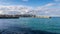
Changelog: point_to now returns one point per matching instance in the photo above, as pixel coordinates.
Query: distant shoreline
(24, 15)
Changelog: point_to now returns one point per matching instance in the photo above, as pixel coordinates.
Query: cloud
(4, 2)
(1, 12)
(49, 9)
(57, 0)
(15, 9)
(25, 0)
(49, 4)
(44, 7)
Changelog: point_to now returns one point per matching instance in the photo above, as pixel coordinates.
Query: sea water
(43, 24)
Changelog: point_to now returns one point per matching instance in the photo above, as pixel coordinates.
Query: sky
(38, 7)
